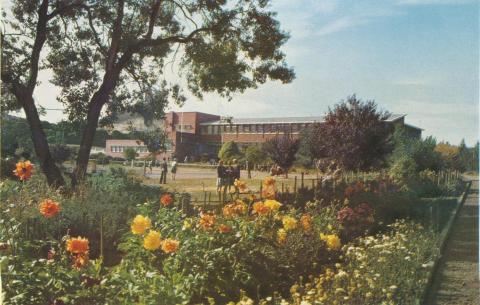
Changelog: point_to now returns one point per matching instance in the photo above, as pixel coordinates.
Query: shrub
(229, 151)
(389, 268)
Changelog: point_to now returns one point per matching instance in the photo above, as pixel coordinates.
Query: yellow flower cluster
(272, 204)
(332, 240)
(153, 240)
(367, 277)
(289, 223)
(140, 224)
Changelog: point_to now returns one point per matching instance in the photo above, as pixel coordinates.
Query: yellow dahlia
(152, 241)
(140, 224)
(273, 204)
(289, 223)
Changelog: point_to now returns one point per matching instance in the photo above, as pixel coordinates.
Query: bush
(112, 196)
(229, 151)
(60, 153)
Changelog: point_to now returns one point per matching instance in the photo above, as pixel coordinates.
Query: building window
(210, 129)
(246, 128)
(253, 128)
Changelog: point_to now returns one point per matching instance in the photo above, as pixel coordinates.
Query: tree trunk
(96, 103)
(88, 135)
(39, 139)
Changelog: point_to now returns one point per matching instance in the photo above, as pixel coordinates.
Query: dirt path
(457, 281)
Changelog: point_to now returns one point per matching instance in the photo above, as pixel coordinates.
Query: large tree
(109, 56)
(355, 135)
(22, 40)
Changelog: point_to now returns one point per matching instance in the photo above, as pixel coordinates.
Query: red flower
(166, 199)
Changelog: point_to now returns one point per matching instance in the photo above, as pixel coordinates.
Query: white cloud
(339, 25)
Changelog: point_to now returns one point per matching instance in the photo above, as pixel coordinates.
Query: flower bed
(252, 251)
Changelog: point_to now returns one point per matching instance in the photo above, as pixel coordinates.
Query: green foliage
(60, 153)
(229, 151)
(15, 135)
(404, 170)
(255, 155)
(422, 152)
(156, 140)
(109, 196)
(130, 153)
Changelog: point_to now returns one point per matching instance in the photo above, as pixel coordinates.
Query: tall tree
(282, 149)
(108, 47)
(22, 40)
(109, 56)
(355, 135)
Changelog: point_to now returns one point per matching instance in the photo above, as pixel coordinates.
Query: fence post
(302, 180)
(282, 188)
(101, 237)
(261, 186)
(295, 185)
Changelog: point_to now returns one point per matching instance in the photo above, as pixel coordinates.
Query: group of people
(164, 169)
(226, 175)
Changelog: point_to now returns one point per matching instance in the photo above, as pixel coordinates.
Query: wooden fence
(287, 192)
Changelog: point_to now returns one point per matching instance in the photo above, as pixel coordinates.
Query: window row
(120, 149)
(253, 128)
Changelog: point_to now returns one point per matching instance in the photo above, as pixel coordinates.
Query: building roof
(284, 120)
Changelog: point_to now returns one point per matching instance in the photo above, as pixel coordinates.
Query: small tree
(355, 135)
(130, 154)
(229, 151)
(282, 150)
(254, 155)
(309, 150)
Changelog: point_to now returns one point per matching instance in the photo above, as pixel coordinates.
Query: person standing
(150, 165)
(174, 168)
(220, 177)
(163, 171)
(230, 176)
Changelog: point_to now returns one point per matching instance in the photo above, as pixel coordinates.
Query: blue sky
(418, 57)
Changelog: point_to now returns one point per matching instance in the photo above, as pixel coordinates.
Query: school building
(195, 134)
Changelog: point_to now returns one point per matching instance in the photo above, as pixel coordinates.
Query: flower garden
(115, 241)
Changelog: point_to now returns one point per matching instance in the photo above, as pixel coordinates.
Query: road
(457, 280)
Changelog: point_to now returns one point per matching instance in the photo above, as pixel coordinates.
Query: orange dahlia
(306, 221)
(224, 228)
(23, 170)
(49, 208)
(207, 221)
(241, 185)
(269, 181)
(170, 245)
(166, 199)
(77, 245)
(260, 208)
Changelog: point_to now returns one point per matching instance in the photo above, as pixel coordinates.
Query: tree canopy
(354, 134)
(282, 149)
(110, 56)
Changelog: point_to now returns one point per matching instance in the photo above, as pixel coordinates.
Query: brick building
(196, 134)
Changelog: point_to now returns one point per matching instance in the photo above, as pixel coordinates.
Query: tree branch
(153, 17)
(40, 37)
(116, 37)
(62, 9)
